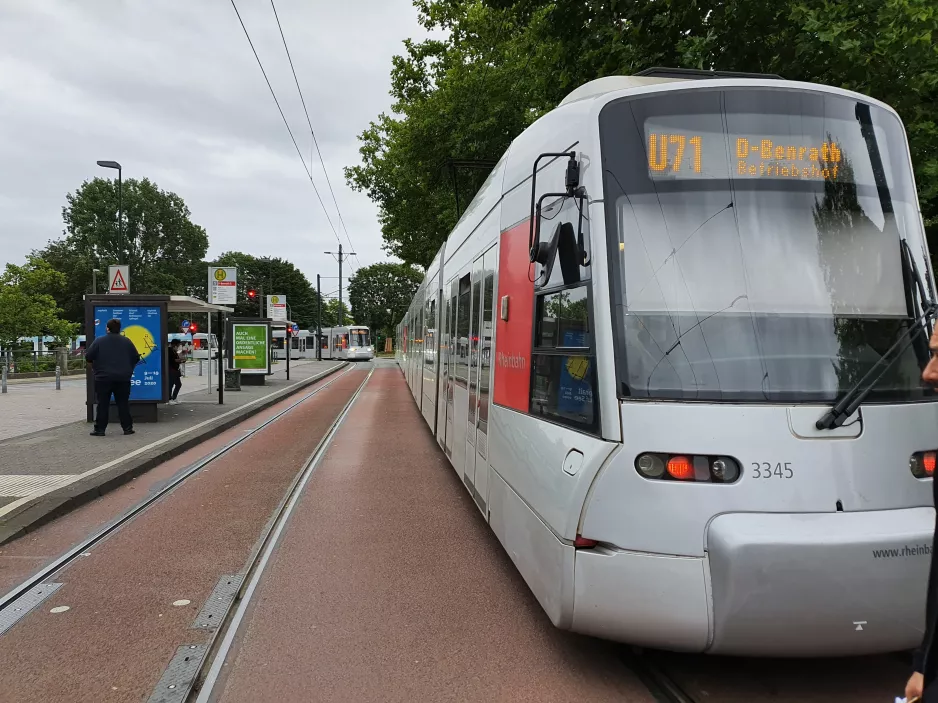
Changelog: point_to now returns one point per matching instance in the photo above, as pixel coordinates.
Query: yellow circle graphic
(274, 299)
(142, 340)
(220, 275)
(577, 366)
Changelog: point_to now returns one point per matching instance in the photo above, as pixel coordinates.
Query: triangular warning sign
(118, 284)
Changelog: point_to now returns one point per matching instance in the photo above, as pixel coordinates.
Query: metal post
(221, 362)
(260, 302)
(94, 281)
(288, 346)
(58, 377)
(319, 321)
(120, 216)
(3, 383)
(208, 350)
(200, 367)
(341, 316)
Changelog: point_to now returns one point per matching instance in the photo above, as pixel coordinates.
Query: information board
(250, 348)
(222, 285)
(277, 307)
(141, 325)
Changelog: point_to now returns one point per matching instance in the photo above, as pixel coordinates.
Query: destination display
(676, 154)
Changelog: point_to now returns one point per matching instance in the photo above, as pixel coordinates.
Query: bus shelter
(145, 321)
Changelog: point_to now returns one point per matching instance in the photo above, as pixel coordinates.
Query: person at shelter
(176, 360)
(113, 358)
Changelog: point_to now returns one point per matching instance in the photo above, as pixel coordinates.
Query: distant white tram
(352, 342)
(640, 327)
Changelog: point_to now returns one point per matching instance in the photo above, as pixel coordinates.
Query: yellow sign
(220, 274)
(274, 299)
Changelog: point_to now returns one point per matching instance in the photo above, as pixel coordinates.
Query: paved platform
(33, 404)
(45, 472)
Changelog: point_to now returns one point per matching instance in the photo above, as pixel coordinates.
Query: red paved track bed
(122, 629)
(389, 586)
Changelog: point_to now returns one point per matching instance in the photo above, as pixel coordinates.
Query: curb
(49, 506)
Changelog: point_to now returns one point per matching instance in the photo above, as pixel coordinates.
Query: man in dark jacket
(926, 657)
(113, 358)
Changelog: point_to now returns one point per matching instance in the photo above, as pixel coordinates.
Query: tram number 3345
(766, 469)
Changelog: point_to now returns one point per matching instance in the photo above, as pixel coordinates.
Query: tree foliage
(330, 313)
(505, 62)
(163, 247)
(27, 303)
(275, 276)
(381, 293)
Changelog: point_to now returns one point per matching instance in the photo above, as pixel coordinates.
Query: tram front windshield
(358, 338)
(758, 241)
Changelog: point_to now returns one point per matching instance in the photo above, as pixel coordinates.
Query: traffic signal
(252, 294)
(193, 328)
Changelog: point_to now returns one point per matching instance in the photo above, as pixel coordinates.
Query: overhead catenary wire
(312, 131)
(285, 122)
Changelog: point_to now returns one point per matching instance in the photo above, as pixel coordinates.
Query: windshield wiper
(851, 400)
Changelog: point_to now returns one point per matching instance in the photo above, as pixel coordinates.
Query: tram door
(443, 345)
(461, 374)
(483, 295)
(453, 356)
(469, 469)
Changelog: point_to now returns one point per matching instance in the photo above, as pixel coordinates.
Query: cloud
(172, 91)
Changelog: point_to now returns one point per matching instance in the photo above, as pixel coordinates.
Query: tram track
(204, 684)
(69, 557)
(662, 687)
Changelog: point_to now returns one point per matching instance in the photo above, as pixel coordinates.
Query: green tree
(330, 314)
(27, 303)
(381, 293)
(277, 277)
(506, 62)
(163, 247)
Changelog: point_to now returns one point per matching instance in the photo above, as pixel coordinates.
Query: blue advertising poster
(575, 397)
(141, 324)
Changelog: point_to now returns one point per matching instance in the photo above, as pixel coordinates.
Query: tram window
(563, 319)
(563, 364)
(562, 389)
(462, 332)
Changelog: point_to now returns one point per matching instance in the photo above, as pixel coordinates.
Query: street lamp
(94, 280)
(120, 201)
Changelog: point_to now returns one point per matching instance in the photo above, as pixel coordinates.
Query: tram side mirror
(562, 242)
(576, 257)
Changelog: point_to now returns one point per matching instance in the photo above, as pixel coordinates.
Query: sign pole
(221, 363)
(319, 321)
(288, 345)
(208, 350)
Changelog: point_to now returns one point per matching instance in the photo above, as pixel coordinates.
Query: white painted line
(10, 507)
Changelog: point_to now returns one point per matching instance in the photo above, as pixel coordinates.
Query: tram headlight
(922, 464)
(687, 468)
(650, 465)
(724, 469)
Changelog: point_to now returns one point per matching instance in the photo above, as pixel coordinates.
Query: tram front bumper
(785, 585)
(819, 584)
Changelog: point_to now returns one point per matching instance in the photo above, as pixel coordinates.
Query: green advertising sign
(250, 348)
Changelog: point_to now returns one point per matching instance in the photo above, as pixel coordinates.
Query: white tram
(715, 260)
(352, 342)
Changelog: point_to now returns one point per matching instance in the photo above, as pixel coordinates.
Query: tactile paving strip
(213, 612)
(16, 610)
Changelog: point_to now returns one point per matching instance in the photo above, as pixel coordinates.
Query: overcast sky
(171, 90)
